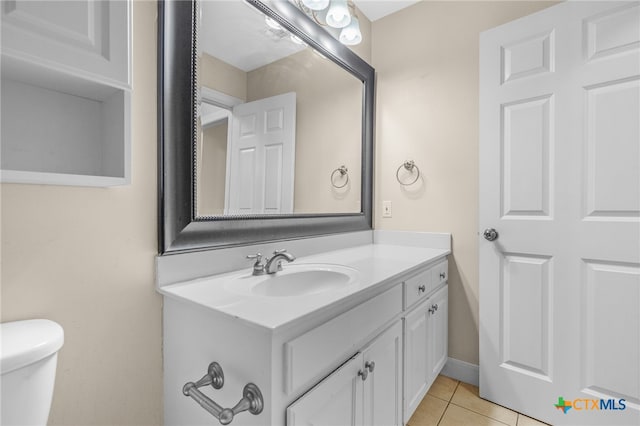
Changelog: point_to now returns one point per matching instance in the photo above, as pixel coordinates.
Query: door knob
(490, 234)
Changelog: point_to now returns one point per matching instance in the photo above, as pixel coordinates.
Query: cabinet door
(416, 364)
(383, 386)
(82, 37)
(439, 330)
(336, 400)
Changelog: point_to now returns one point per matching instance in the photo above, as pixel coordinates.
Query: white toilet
(28, 357)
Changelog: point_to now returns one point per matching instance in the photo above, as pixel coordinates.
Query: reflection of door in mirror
(257, 139)
(261, 155)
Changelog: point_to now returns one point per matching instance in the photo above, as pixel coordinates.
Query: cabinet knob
(422, 289)
(432, 311)
(434, 307)
(370, 365)
(363, 374)
(442, 275)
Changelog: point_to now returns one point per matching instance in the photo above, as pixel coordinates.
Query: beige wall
(212, 166)
(221, 76)
(364, 48)
(84, 257)
(426, 58)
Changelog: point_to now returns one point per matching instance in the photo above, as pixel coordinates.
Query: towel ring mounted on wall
(343, 172)
(410, 166)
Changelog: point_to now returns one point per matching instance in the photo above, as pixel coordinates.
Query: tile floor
(453, 403)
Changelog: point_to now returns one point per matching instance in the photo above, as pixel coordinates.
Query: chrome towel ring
(410, 166)
(343, 172)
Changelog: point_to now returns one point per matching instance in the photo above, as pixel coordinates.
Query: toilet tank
(28, 357)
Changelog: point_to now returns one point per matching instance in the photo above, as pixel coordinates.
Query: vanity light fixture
(351, 35)
(339, 14)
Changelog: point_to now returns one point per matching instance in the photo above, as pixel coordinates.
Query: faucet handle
(258, 267)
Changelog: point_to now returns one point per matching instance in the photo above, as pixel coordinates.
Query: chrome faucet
(268, 267)
(277, 258)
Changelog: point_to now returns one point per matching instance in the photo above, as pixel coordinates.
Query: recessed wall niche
(66, 82)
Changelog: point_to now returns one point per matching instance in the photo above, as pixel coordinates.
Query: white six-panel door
(560, 183)
(261, 157)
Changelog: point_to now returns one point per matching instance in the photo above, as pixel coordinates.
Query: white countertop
(377, 265)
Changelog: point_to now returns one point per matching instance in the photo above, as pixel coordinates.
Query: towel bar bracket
(251, 401)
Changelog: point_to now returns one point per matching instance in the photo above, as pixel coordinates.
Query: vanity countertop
(378, 266)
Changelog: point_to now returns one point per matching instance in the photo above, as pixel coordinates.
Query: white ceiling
(376, 9)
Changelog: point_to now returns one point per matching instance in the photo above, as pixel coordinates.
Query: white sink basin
(294, 280)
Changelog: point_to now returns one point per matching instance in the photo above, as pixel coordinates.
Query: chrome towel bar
(251, 401)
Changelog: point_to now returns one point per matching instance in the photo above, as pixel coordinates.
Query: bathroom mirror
(265, 126)
(274, 120)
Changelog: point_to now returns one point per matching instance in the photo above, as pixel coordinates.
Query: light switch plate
(386, 209)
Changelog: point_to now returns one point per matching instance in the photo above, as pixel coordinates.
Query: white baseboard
(463, 371)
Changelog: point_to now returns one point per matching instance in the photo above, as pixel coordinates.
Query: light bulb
(338, 15)
(316, 4)
(351, 34)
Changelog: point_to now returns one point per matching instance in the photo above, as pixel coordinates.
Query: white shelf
(63, 135)
(39, 178)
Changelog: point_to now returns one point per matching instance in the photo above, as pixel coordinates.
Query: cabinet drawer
(308, 357)
(417, 287)
(440, 273)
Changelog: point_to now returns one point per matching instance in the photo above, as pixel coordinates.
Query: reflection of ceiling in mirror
(235, 32)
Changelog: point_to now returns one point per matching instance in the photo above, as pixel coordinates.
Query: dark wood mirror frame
(179, 230)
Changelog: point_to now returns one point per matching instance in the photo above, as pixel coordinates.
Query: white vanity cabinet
(366, 359)
(425, 353)
(66, 92)
(366, 390)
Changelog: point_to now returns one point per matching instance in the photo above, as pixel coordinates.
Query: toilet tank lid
(25, 342)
